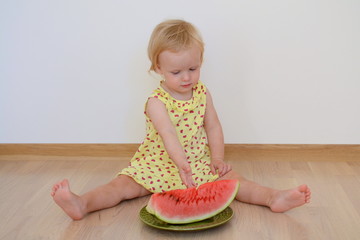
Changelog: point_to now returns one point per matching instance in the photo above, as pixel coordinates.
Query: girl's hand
(219, 165)
(186, 176)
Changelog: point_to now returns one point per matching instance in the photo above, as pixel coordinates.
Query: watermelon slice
(193, 204)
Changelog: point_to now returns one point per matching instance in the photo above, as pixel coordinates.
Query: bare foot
(285, 200)
(68, 201)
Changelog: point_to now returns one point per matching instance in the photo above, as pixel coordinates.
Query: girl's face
(181, 71)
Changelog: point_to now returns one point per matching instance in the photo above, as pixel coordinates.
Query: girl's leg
(276, 200)
(105, 196)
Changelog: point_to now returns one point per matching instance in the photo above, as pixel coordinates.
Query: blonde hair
(173, 35)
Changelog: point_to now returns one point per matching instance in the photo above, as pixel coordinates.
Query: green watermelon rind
(195, 219)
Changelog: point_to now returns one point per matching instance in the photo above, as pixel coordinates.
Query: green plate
(215, 221)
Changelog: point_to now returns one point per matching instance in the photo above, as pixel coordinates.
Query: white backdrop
(280, 71)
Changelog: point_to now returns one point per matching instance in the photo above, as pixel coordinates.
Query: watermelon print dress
(151, 165)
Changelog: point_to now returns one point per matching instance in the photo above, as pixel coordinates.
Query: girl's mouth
(187, 85)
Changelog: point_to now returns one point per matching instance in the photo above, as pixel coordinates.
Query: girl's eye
(192, 69)
(175, 73)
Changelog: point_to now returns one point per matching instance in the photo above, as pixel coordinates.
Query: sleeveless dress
(151, 165)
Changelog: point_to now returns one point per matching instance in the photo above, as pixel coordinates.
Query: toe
(64, 183)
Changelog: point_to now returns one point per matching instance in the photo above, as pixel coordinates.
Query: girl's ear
(158, 70)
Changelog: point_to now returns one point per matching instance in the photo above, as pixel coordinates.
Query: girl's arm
(159, 117)
(215, 138)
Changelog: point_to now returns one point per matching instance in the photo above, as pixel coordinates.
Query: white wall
(280, 71)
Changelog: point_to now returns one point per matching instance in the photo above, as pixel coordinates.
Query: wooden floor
(28, 212)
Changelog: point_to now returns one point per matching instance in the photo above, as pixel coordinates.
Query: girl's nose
(186, 76)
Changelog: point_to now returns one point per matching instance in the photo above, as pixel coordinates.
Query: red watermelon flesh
(193, 204)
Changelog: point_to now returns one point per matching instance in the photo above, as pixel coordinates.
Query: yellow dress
(151, 165)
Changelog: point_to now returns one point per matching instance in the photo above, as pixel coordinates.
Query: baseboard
(288, 152)
(101, 150)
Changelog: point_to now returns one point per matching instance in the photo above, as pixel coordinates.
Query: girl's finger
(229, 168)
(212, 168)
(221, 170)
(191, 184)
